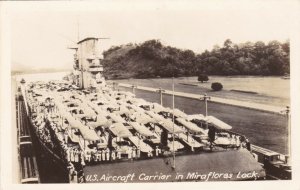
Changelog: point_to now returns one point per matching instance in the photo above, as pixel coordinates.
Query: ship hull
(53, 169)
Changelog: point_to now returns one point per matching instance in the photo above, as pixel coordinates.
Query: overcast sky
(41, 32)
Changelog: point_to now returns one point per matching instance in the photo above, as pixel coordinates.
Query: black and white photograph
(149, 93)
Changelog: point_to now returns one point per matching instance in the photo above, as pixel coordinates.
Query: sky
(41, 32)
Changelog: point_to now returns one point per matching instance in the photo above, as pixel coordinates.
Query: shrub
(216, 86)
(203, 77)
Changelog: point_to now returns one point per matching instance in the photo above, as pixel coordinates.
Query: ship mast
(205, 98)
(173, 105)
(78, 38)
(287, 112)
(78, 29)
(160, 90)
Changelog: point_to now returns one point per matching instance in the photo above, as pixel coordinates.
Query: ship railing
(30, 180)
(269, 153)
(262, 151)
(189, 140)
(24, 136)
(26, 142)
(29, 169)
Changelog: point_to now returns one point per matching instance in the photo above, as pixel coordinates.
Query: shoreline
(178, 77)
(232, 102)
(265, 91)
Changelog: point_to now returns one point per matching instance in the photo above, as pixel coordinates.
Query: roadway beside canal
(243, 104)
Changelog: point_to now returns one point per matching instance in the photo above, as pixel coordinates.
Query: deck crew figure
(119, 155)
(99, 155)
(238, 142)
(157, 151)
(103, 155)
(71, 170)
(129, 153)
(99, 152)
(82, 158)
(68, 155)
(113, 155)
(192, 144)
(248, 145)
(72, 154)
(88, 155)
(107, 154)
(66, 136)
(74, 176)
(138, 152)
(76, 156)
(233, 140)
(134, 152)
(94, 153)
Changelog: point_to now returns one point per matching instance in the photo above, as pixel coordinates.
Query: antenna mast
(173, 105)
(77, 28)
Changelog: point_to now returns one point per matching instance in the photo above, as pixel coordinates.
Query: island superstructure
(88, 70)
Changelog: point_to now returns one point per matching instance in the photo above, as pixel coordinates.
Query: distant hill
(152, 59)
(19, 68)
(30, 71)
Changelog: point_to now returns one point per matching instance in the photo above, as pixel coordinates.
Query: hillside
(152, 59)
(33, 71)
(18, 68)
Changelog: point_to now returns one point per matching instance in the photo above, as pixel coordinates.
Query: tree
(228, 44)
(202, 78)
(152, 58)
(216, 86)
